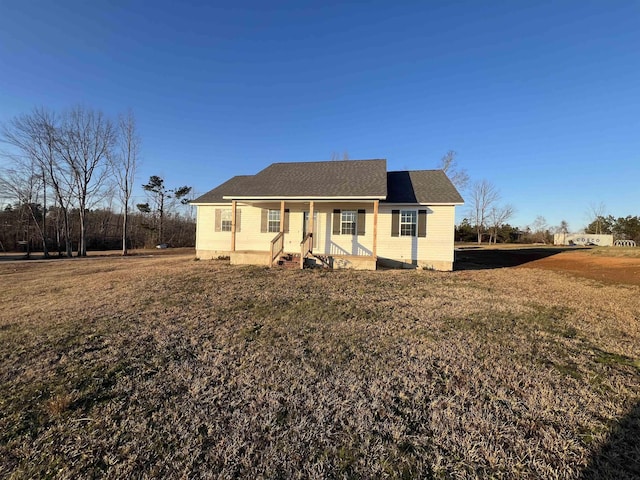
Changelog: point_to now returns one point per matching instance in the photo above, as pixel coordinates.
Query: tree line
(537, 232)
(65, 172)
(19, 232)
(622, 228)
(487, 218)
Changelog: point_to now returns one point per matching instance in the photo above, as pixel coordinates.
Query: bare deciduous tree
(563, 229)
(72, 156)
(595, 214)
(84, 143)
(539, 229)
(496, 218)
(458, 176)
(25, 183)
(124, 163)
(484, 196)
(335, 156)
(35, 138)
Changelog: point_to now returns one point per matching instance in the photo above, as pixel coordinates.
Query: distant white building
(582, 239)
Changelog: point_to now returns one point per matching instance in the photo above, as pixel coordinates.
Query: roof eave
(427, 203)
(305, 197)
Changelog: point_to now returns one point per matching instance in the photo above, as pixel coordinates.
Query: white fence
(582, 239)
(624, 243)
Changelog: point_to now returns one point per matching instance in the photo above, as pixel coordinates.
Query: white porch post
(311, 220)
(233, 225)
(375, 228)
(282, 216)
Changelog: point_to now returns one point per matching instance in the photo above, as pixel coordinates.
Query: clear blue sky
(542, 98)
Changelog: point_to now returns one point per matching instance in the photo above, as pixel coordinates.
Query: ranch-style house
(337, 214)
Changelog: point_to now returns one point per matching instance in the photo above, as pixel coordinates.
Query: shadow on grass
(488, 258)
(619, 458)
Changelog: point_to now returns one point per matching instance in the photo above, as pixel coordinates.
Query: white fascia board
(303, 199)
(424, 204)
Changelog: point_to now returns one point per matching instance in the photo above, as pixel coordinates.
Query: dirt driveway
(607, 269)
(578, 262)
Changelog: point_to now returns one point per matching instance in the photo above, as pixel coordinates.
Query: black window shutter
(336, 221)
(395, 223)
(422, 223)
(361, 222)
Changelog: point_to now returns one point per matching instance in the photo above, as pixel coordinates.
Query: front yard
(170, 367)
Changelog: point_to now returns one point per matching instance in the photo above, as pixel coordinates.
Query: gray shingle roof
(227, 188)
(421, 186)
(349, 178)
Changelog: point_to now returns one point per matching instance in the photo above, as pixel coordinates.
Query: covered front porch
(354, 262)
(327, 233)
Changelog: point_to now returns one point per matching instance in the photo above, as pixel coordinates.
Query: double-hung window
(225, 220)
(348, 222)
(408, 223)
(273, 221)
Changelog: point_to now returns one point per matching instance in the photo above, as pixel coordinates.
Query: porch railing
(306, 247)
(277, 247)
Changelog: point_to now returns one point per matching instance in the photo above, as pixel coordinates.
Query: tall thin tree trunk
(82, 247)
(58, 240)
(28, 237)
(67, 233)
(161, 232)
(125, 226)
(45, 249)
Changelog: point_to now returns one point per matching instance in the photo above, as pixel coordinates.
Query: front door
(305, 227)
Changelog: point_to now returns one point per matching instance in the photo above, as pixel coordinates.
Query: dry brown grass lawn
(169, 367)
(630, 252)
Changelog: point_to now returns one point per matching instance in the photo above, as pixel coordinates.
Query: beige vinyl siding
(341, 244)
(437, 246)
(436, 249)
(206, 236)
(218, 243)
(251, 239)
